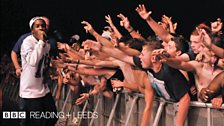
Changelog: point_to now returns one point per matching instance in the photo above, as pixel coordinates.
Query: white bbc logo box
(14, 115)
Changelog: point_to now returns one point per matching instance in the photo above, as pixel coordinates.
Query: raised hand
(88, 27)
(109, 20)
(124, 21)
(82, 99)
(168, 21)
(143, 12)
(206, 39)
(217, 25)
(112, 28)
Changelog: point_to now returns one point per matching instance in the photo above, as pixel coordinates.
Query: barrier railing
(199, 113)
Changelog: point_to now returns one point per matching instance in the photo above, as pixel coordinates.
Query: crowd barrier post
(113, 110)
(159, 112)
(131, 110)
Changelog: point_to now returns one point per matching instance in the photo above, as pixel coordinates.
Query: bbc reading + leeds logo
(14, 115)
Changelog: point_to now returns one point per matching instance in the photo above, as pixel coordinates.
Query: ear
(178, 53)
(153, 59)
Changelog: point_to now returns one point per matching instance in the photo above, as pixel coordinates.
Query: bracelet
(132, 29)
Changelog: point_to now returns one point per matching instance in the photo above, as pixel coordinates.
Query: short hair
(181, 43)
(136, 44)
(152, 43)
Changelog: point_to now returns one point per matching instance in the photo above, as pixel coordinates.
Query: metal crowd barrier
(125, 109)
(110, 119)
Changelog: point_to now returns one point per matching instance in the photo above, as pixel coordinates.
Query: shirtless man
(205, 71)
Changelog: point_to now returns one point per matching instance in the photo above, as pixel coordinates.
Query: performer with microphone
(34, 92)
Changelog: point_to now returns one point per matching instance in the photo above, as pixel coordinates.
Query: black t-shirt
(168, 83)
(119, 75)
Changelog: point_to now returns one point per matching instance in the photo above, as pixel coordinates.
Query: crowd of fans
(166, 64)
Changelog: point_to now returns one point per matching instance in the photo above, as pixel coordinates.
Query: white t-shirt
(34, 57)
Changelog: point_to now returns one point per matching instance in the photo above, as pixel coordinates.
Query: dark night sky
(66, 15)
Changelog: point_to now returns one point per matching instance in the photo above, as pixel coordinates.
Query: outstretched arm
(124, 84)
(110, 51)
(115, 30)
(90, 71)
(161, 55)
(159, 30)
(101, 63)
(88, 27)
(126, 24)
(178, 64)
(128, 51)
(118, 54)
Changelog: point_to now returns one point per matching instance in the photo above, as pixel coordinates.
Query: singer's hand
(41, 35)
